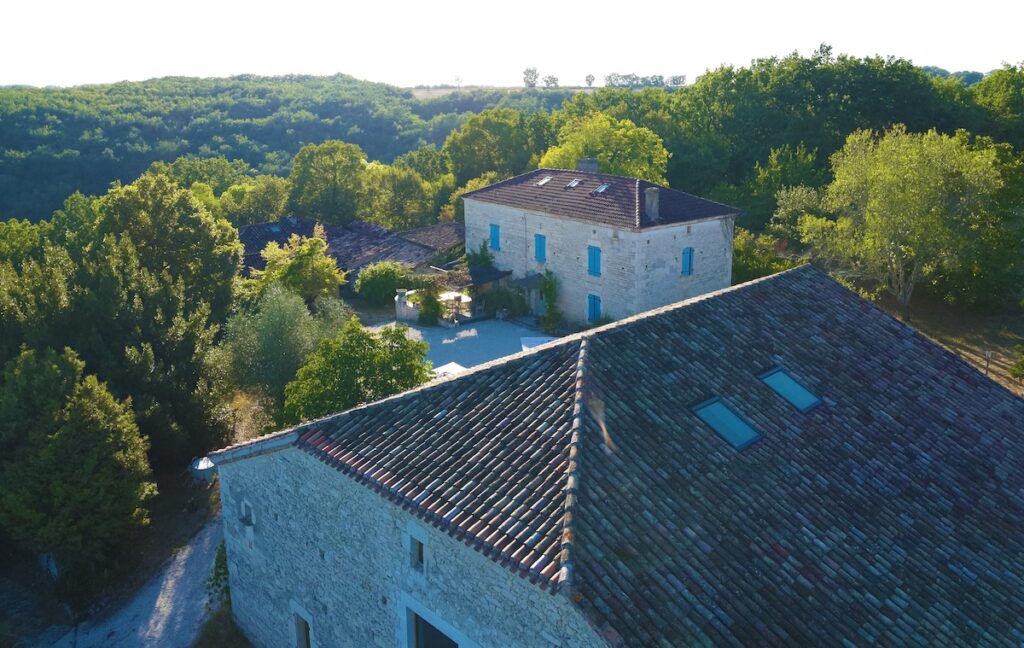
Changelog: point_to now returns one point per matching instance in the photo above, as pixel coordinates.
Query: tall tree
(325, 181)
(358, 366)
(262, 200)
(494, 140)
(74, 479)
(620, 147)
(530, 77)
(905, 207)
(395, 197)
(301, 265)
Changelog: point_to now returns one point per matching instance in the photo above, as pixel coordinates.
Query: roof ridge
(565, 555)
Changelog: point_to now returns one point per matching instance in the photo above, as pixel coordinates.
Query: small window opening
(786, 386)
(727, 423)
(247, 518)
(301, 632)
(417, 554)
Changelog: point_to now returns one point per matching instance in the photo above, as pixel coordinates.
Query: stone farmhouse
(776, 463)
(617, 246)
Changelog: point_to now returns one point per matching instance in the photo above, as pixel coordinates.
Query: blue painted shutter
(594, 260)
(540, 248)
(495, 237)
(687, 261)
(593, 308)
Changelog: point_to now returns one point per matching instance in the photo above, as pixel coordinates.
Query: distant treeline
(720, 132)
(56, 141)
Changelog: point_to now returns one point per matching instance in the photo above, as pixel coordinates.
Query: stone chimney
(587, 165)
(651, 203)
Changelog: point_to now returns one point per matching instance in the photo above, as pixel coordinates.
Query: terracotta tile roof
(439, 237)
(620, 204)
(356, 244)
(892, 513)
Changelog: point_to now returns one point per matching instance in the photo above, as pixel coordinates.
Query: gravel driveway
(169, 610)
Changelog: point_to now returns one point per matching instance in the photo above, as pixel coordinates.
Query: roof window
(601, 188)
(786, 386)
(573, 183)
(720, 418)
(543, 181)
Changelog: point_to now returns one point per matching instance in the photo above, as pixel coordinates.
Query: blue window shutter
(540, 248)
(594, 260)
(495, 237)
(687, 261)
(593, 308)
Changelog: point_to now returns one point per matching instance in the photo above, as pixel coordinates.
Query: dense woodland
(130, 340)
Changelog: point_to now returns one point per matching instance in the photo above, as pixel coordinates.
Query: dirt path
(168, 611)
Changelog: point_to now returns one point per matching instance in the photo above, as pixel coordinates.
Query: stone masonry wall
(338, 554)
(639, 270)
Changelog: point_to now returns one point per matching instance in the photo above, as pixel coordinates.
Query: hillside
(55, 141)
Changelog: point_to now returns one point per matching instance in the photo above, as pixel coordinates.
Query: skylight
(786, 386)
(573, 183)
(543, 181)
(720, 418)
(601, 188)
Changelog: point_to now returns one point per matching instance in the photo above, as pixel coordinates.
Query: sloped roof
(620, 204)
(356, 244)
(891, 513)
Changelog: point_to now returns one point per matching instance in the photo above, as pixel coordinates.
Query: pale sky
(69, 42)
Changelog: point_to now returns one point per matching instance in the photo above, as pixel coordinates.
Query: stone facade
(640, 269)
(323, 548)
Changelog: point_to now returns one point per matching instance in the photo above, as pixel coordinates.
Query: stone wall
(332, 551)
(639, 270)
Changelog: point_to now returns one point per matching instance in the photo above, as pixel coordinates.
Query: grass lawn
(220, 631)
(970, 335)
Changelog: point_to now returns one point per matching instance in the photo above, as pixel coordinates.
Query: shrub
(482, 258)
(753, 256)
(430, 306)
(502, 298)
(551, 320)
(378, 282)
(1017, 368)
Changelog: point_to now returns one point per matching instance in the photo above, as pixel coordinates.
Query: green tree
(262, 200)
(427, 161)
(1001, 95)
(786, 167)
(216, 172)
(755, 255)
(494, 140)
(551, 81)
(455, 209)
(378, 282)
(263, 349)
(325, 180)
(620, 147)
(395, 197)
(1017, 368)
(530, 77)
(171, 233)
(590, 80)
(904, 205)
(301, 265)
(74, 479)
(358, 366)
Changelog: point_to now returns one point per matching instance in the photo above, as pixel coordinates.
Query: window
(687, 261)
(720, 418)
(593, 261)
(593, 308)
(247, 516)
(301, 632)
(427, 636)
(786, 386)
(417, 554)
(575, 182)
(601, 188)
(495, 237)
(540, 248)
(543, 181)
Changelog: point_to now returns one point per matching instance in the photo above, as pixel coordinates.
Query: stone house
(617, 246)
(776, 463)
